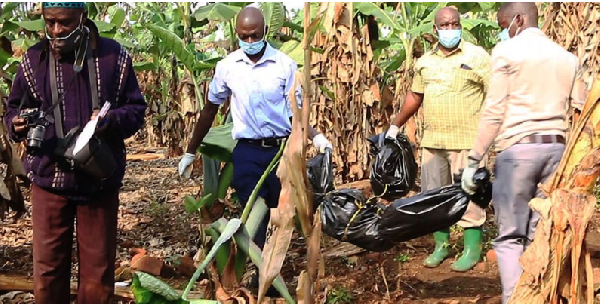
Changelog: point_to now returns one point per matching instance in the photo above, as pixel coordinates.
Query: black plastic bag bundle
(348, 217)
(394, 166)
(433, 210)
(320, 176)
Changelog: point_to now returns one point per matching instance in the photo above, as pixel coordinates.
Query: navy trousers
(250, 161)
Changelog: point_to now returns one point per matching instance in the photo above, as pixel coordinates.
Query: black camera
(35, 120)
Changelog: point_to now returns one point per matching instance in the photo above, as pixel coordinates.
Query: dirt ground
(152, 217)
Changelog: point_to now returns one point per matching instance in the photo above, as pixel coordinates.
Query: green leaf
(7, 10)
(189, 202)
(117, 16)
(9, 27)
(104, 27)
(421, 29)
(219, 143)
(175, 44)
(157, 286)
(4, 56)
(294, 49)
(144, 66)
(225, 180)
(293, 26)
(141, 295)
(327, 92)
(274, 13)
(24, 43)
(226, 234)
(371, 8)
(205, 200)
(469, 24)
(396, 63)
(32, 26)
(216, 11)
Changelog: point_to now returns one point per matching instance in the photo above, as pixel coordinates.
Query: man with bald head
(258, 79)
(450, 83)
(534, 83)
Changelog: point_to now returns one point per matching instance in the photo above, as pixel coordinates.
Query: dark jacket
(117, 84)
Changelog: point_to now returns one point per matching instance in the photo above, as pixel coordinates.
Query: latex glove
(185, 165)
(392, 132)
(321, 143)
(467, 182)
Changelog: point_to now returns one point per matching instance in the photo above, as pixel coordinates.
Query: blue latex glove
(467, 182)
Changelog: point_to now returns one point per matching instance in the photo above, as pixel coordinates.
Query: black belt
(265, 142)
(543, 139)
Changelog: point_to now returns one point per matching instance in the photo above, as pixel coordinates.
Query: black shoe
(271, 291)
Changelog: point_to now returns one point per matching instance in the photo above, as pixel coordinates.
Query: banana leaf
(218, 143)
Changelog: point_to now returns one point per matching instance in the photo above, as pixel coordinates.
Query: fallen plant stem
(226, 233)
(243, 241)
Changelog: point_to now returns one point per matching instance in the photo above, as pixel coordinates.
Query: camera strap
(77, 67)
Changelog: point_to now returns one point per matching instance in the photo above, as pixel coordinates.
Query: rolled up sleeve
(218, 91)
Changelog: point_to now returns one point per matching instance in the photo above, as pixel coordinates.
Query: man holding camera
(61, 84)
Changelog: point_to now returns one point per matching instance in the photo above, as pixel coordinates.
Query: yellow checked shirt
(453, 88)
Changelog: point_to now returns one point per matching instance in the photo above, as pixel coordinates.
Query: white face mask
(505, 33)
(68, 43)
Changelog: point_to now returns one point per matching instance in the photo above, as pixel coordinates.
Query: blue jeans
(249, 163)
(518, 170)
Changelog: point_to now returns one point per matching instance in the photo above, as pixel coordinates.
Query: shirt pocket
(464, 78)
(273, 89)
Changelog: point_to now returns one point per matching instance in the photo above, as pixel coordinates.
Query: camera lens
(35, 137)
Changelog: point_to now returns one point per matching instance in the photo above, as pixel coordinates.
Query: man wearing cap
(258, 78)
(68, 76)
(450, 83)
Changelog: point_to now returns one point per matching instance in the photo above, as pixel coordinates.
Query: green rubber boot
(472, 252)
(441, 251)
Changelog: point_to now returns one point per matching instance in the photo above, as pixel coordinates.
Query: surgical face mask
(253, 48)
(449, 38)
(505, 33)
(66, 43)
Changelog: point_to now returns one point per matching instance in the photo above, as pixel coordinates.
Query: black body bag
(427, 212)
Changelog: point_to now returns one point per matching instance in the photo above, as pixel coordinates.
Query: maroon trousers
(96, 225)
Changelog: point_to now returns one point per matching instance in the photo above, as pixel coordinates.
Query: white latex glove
(321, 143)
(467, 182)
(392, 132)
(185, 165)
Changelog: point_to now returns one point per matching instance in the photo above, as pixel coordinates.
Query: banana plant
(411, 22)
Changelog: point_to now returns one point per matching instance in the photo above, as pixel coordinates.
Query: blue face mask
(253, 48)
(505, 33)
(449, 38)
